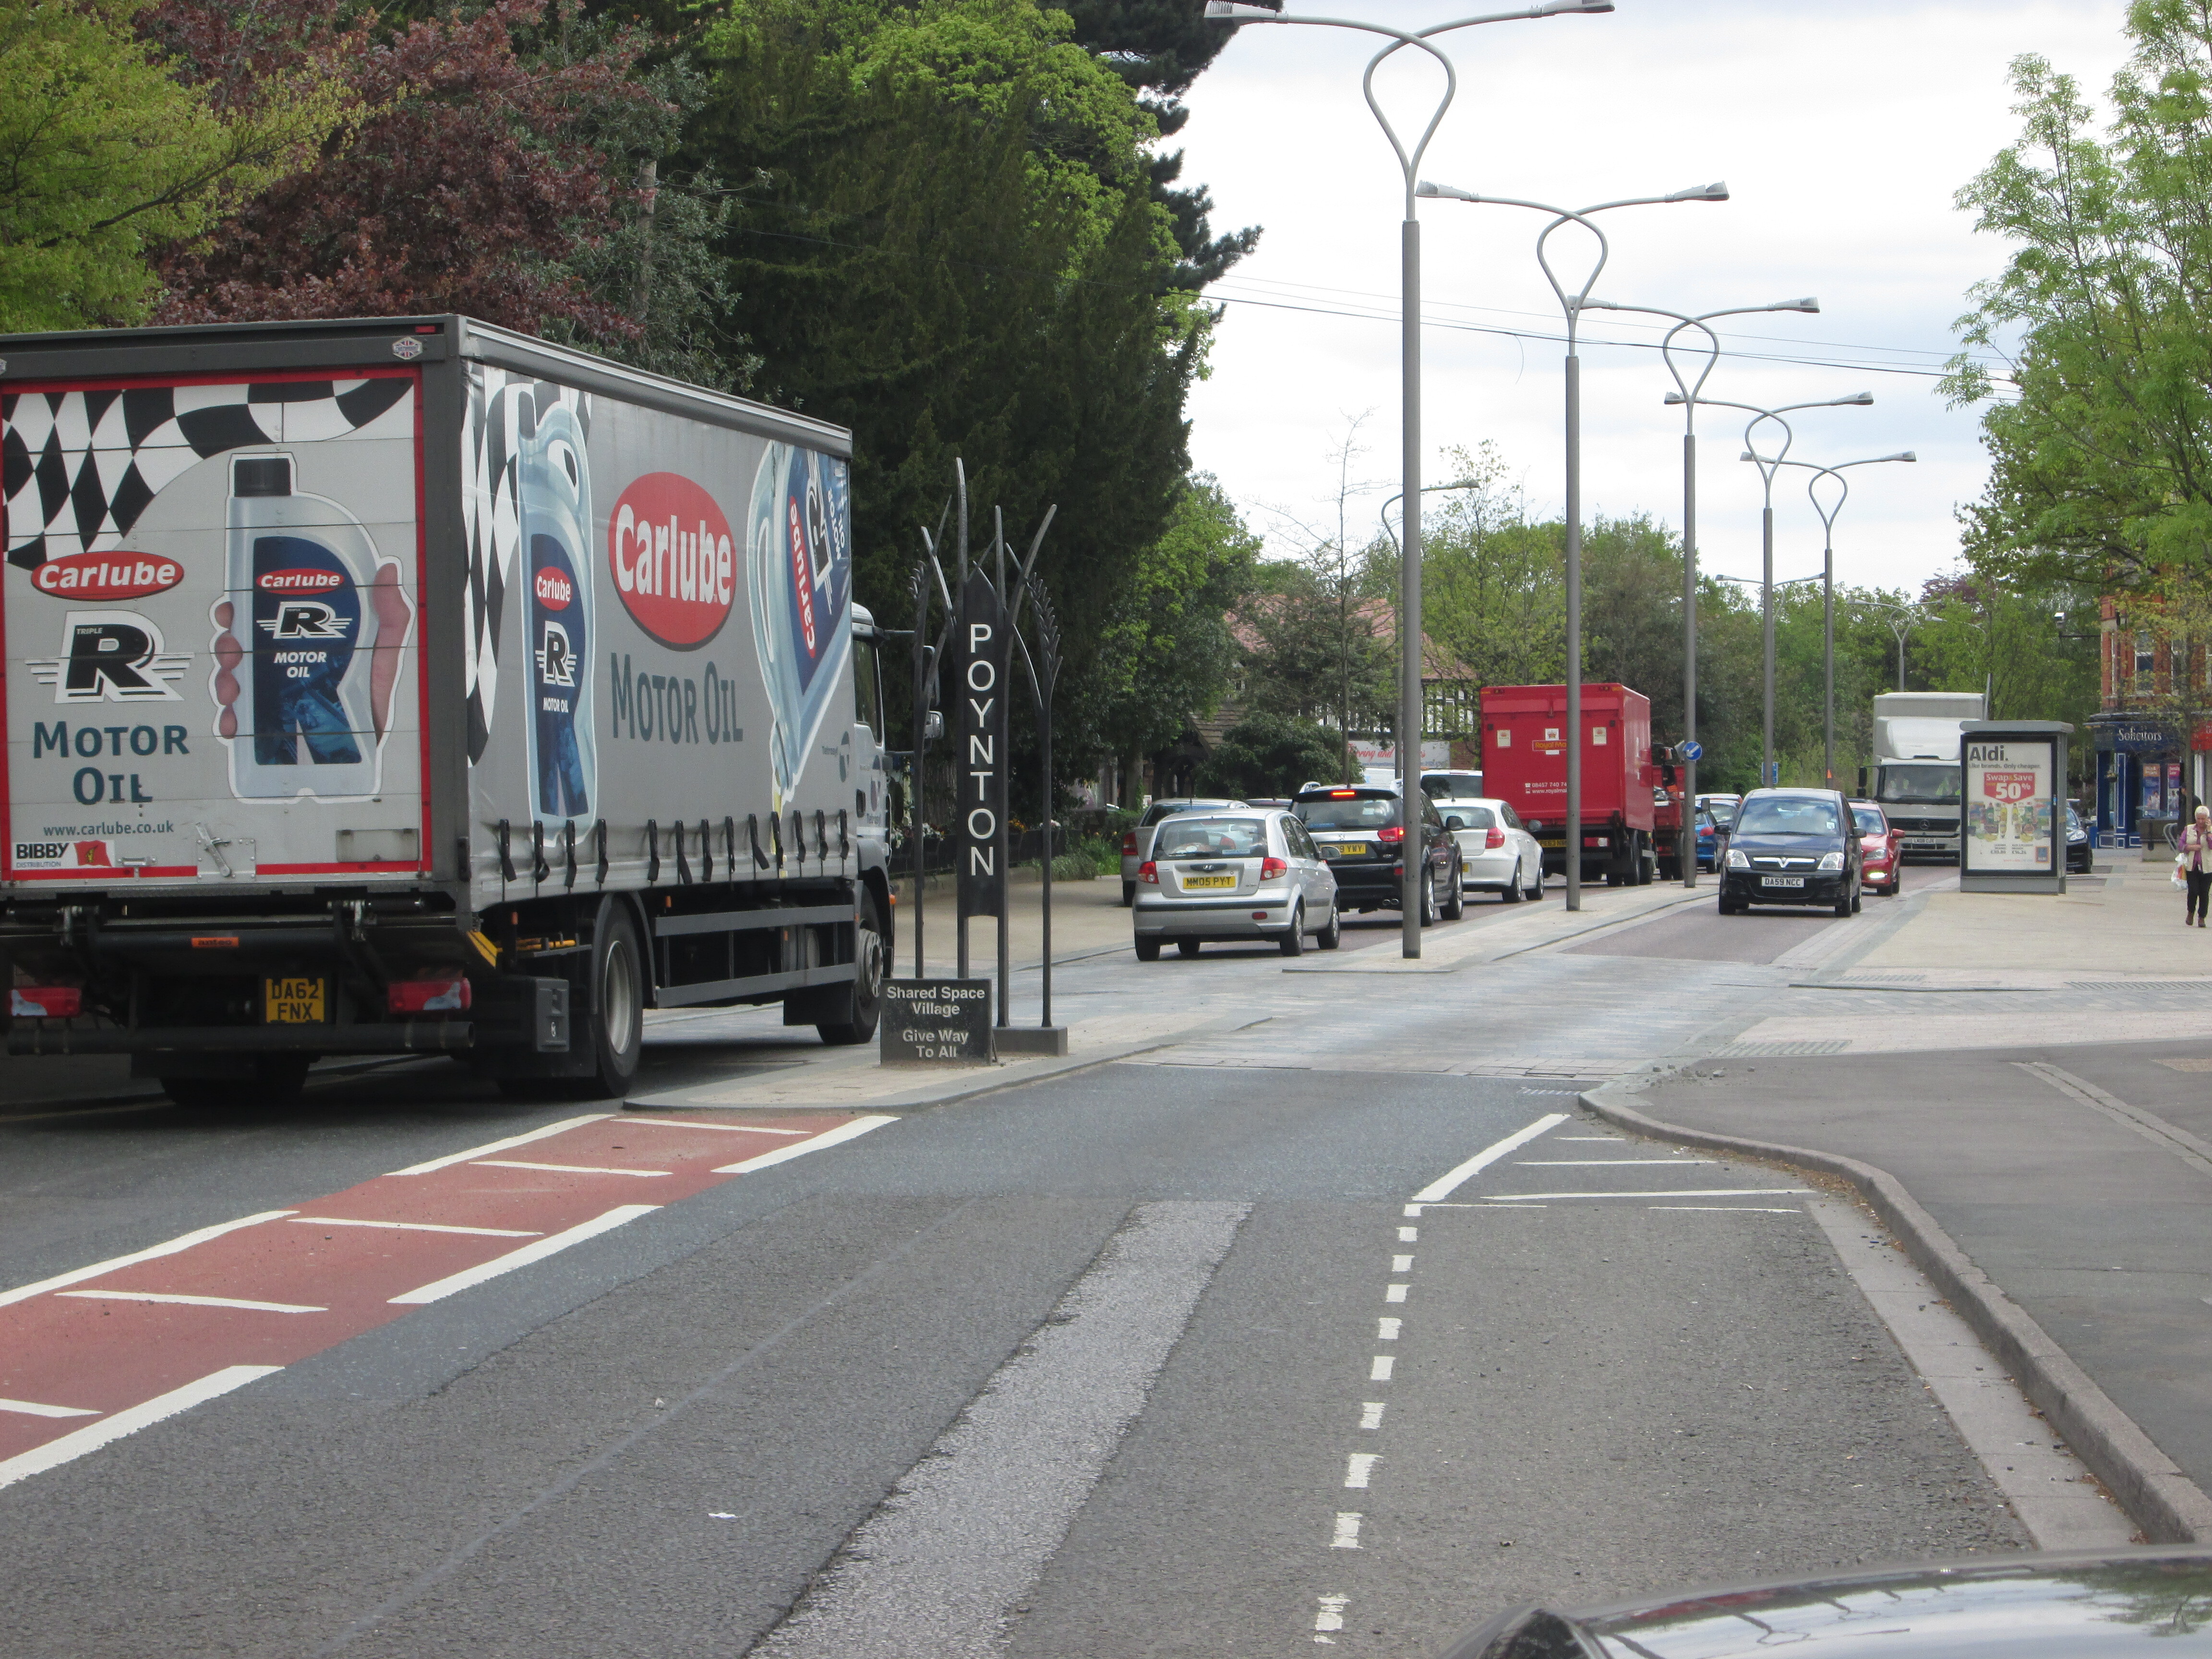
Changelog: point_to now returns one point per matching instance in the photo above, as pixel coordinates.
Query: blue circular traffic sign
(1691, 749)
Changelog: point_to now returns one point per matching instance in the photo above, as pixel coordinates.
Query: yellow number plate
(1208, 881)
(293, 1001)
(1354, 850)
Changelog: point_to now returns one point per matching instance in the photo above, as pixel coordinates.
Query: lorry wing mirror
(932, 726)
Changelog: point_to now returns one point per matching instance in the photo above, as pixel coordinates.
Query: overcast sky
(1843, 132)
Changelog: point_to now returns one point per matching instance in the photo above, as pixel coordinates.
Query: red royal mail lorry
(1524, 760)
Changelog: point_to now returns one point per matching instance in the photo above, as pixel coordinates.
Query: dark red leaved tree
(470, 176)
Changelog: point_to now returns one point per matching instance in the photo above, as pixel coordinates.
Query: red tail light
(45, 1002)
(1390, 834)
(1494, 840)
(1150, 871)
(1272, 869)
(1128, 844)
(446, 993)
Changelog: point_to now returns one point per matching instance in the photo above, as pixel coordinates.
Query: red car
(1882, 844)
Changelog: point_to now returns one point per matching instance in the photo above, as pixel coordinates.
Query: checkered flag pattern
(77, 468)
(503, 412)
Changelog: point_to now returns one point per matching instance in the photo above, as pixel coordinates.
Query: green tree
(106, 156)
(1269, 755)
(2101, 465)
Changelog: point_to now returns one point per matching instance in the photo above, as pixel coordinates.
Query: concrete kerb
(2164, 1501)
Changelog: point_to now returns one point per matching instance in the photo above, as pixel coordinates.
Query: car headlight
(1832, 861)
(1739, 861)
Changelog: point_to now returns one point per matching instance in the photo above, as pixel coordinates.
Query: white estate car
(1496, 854)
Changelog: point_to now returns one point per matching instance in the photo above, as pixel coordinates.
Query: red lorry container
(1524, 760)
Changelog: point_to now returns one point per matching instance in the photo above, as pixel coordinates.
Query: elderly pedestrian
(2196, 862)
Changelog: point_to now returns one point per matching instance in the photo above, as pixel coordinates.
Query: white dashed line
(194, 1300)
(1394, 1292)
(1346, 1536)
(1358, 1465)
(1407, 1235)
(1401, 1264)
(562, 1169)
(1379, 1370)
(474, 1153)
(727, 1128)
(1728, 1209)
(413, 1227)
(838, 1136)
(1386, 1330)
(32, 1408)
(153, 1252)
(1449, 1182)
(438, 1289)
(1371, 1414)
(1603, 1163)
(1514, 1200)
(1331, 1615)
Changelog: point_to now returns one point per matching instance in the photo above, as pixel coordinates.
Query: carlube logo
(106, 575)
(669, 549)
(554, 591)
(802, 579)
(298, 581)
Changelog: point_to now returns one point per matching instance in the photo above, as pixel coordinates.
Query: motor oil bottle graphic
(799, 547)
(299, 569)
(556, 491)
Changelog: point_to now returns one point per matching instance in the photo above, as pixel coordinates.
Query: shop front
(2141, 787)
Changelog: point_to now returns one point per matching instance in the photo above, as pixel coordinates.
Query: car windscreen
(1919, 786)
(1870, 820)
(1784, 816)
(1368, 812)
(1191, 837)
(1470, 818)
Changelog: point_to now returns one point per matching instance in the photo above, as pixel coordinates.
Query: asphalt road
(1340, 1327)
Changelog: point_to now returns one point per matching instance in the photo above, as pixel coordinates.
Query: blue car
(1709, 841)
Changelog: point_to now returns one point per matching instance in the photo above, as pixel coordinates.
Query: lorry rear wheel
(618, 1000)
(867, 980)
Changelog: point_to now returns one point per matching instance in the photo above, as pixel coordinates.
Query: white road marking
(413, 1227)
(1379, 1369)
(194, 1300)
(32, 1408)
(438, 1289)
(1394, 1292)
(1331, 1616)
(1449, 1182)
(1401, 1264)
(510, 1142)
(1347, 1530)
(1609, 1140)
(151, 1253)
(1516, 1198)
(1358, 1465)
(130, 1420)
(938, 1569)
(1408, 1235)
(1602, 1163)
(842, 1133)
(1371, 1414)
(1385, 1329)
(1728, 1209)
(561, 1169)
(727, 1129)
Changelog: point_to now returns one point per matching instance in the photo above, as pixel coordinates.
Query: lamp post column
(1574, 823)
(1686, 832)
(1409, 595)
(1828, 657)
(1766, 635)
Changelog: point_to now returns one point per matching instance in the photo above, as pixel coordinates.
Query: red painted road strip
(154, 1333)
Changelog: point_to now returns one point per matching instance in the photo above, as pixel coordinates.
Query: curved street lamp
(1409, 306)
(1572, 305)
(1690, 385)
(1828, 584)
(1767, 468)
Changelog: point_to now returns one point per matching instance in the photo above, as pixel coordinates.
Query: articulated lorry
(1916, 767)
(410, 685)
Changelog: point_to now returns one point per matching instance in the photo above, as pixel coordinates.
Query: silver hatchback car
(1137, 843)
(1234, 876)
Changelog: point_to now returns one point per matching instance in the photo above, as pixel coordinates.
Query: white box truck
(408, 685)
(1916, 747)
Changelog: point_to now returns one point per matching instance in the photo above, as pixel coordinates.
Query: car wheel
(1148, 949)
(1429, 899)
(1455, 905)
(1332, 935)
(1186, 947)
(1293, 943)
(1128, 893)
(1536, 887)
(1844, 905)
(1512, 893)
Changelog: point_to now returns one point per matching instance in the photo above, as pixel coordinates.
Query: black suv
(1792, 847)
(1361, 830)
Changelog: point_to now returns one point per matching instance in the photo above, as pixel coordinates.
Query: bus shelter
(2012, 828)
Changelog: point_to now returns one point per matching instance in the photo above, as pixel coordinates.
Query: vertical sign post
(979, 662)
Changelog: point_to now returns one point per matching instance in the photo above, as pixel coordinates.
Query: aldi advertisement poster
(2008, 801)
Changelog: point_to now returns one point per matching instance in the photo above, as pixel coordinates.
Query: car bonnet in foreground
(2039, 1607)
